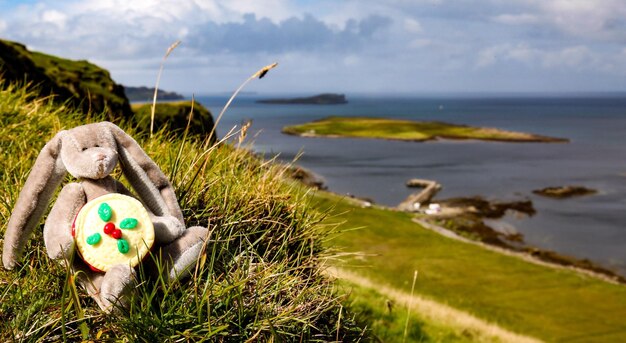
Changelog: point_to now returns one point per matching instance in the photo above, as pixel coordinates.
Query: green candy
(122, 245)
(105, 212)
(128, 223)
(94, 239)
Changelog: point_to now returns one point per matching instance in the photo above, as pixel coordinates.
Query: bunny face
(87, 156)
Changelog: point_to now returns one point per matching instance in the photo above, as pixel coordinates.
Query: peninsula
(146, 94)
(407, 130)
(320, 99)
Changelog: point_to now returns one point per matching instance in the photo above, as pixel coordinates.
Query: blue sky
(365, 46)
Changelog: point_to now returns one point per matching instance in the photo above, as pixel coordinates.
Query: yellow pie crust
(108, 250)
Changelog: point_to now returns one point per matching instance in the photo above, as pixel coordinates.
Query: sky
(350, 46)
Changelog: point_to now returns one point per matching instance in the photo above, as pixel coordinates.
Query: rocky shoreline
(465, 218)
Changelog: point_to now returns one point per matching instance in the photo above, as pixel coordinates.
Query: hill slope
(259, 279)
(175, 116)
(85, 85)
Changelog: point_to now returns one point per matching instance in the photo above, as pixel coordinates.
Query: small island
(564, 191)
(407, 130)
(146, 94)
(320, 99)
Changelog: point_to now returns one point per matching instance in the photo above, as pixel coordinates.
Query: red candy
(109, 228)
(117, 234)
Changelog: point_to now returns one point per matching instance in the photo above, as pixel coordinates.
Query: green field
(406, 130)
(546, 303)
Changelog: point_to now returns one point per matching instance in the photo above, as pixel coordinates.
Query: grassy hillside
(259, 279)
(173, 116)
(551, 304)
(406, 130)
(84, 85)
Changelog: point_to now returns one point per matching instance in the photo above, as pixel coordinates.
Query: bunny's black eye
(97, 146)
(84, 149)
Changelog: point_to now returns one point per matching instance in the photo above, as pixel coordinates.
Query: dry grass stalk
(258, 74)
(408, 314)
(156, 87)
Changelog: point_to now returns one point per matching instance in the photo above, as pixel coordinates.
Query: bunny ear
(145, 176)
(44, 178)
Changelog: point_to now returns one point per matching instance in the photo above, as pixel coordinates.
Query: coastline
(543, 257)
(525, 296)
(512, 245)
(528, 257)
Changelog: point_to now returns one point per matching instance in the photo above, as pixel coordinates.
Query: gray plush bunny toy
(90, 153)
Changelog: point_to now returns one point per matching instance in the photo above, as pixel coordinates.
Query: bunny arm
(45, 176)
(145, 176)
(180, 256)
(115, 286)
(57, 231)
(166, 228)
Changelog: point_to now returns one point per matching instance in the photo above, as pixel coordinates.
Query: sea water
(592, 227)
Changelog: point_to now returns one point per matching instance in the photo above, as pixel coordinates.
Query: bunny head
(88, 156)
(90, 151)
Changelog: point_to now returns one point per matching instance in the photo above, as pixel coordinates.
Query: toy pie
(113, 229)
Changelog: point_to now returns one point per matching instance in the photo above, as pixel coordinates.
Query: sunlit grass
(383, 128)
(553, 304)
(259, 279)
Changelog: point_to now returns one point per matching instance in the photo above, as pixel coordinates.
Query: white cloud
(412, 26)
(523, 52)
(423, 37)
(575, 56)
(489, 56)
(54, 17)
(597, 19)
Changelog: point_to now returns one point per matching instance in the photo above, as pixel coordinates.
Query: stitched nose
(100, 157)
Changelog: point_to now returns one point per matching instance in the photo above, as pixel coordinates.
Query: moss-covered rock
(175, 115)
(82, 84)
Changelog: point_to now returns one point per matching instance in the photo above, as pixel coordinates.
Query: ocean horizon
(590, 227)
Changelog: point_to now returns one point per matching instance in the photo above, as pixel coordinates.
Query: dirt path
(433, 311)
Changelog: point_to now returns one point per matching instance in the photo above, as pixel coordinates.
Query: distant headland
(320, 99)
(146, 94)
(408, 130)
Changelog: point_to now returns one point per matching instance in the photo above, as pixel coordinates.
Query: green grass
(382, 128)
(173, 116)
(550, 304)
(259, 279)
